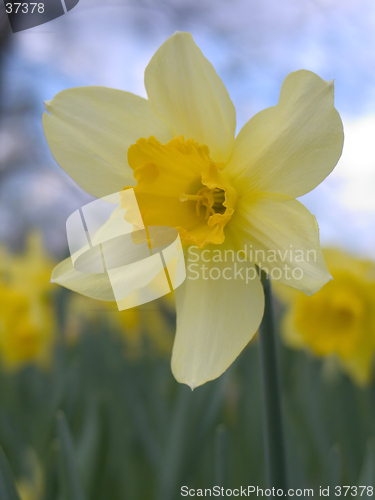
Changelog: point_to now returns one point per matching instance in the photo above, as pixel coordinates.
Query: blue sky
(252, 45)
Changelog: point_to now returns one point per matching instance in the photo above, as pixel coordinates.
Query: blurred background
(109, 372)
(253, 47)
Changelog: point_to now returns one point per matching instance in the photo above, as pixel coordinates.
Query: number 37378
(354, 491)
(24, 8)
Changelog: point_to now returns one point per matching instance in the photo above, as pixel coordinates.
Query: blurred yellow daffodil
(26, 317)
(31, 487)
(151, 323)
(148, 322)
(221, 192)
(339, 320)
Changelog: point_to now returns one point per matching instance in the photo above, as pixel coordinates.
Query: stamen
(212, 199)
(191, 197)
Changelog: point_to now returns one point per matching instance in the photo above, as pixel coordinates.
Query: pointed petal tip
(318, 286)
(331, 83)
(182, 33)
(195, 384)
(192, 384)
(47, 105)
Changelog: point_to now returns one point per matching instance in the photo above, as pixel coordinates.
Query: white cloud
(355, 171)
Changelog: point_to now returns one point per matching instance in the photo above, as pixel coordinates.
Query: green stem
(221, 456)
(271, 399)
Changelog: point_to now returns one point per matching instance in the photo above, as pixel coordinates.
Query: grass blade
(68, 470)
(7, 486)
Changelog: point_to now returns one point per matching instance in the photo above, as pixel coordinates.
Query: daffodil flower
(339, 320)
(179, 152)
(26, 316)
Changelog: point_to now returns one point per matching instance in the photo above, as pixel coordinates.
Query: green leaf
(221, 456)
(334, 469)
(172, 464)
(367, 475)
(68, 470)
(7, 486)
(193, 420)
(87, 447)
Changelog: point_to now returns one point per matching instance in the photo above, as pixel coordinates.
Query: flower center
(331, 320)
(210, 199)
(179, 185)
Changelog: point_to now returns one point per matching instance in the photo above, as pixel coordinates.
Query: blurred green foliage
(100, 425)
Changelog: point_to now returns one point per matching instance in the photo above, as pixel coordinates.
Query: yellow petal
(290, 148)
(289, 333)
(216, 318)
(338, 262)
(360, 365)
(89, 131)
(186, 92)
(283, 237)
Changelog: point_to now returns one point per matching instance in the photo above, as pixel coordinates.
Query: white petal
(89, 131)
(185, 91)
(95, 286)
(290, 148)
(283, 237)
(216, 318)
